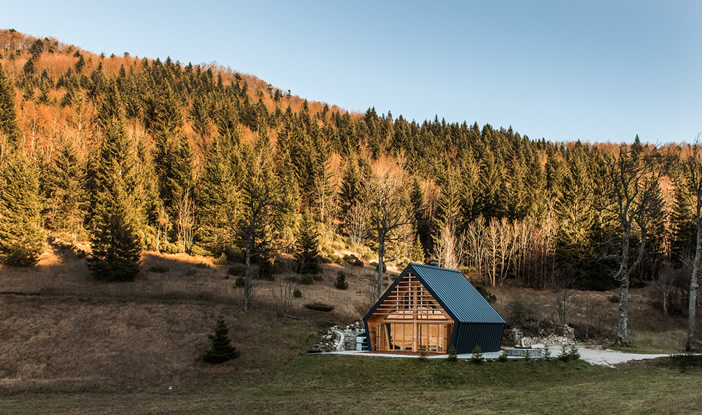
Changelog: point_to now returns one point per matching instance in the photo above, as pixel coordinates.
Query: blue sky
(561, 70)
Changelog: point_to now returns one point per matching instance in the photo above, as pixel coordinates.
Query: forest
(116, 155)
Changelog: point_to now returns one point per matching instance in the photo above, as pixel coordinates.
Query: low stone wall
(567, 338)
(338, 338)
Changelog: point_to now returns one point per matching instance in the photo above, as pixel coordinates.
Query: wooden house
(431, 308)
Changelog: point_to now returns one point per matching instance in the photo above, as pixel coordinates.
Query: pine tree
(417, 255)
(66, 197)
(21, 235)
(307, 256)
(350, 193)
(218, 198)
(259, 195)
(221, 349)
(9, 129)
(116, 242)
(288, 205)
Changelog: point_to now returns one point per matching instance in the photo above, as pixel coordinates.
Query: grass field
(357, 385)
(71, 345)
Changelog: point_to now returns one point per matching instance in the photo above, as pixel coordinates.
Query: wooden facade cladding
(410, 319)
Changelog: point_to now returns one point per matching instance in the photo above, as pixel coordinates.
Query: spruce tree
(417, 254)
(65, 193)
(307, 256)
(21, 235)
(8, 116)
(221, 349)
(259, 192)
(218, 198)
(350, 193)
(116, 242)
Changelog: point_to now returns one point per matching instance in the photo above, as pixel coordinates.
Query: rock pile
(566, 339)
(339, 338)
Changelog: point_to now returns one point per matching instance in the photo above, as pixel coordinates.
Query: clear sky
(562, 70)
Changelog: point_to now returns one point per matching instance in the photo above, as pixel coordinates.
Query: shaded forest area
(124, 154)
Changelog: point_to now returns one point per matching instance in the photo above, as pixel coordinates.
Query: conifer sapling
(221, 349)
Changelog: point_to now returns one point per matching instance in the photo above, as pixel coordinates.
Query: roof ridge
(433, 266)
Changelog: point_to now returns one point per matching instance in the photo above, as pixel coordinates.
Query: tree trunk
(247, 278)
(691, 345)
(622, 329)
(381, 254)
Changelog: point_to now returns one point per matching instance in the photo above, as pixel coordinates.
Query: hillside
(63, 331)
(189, 172)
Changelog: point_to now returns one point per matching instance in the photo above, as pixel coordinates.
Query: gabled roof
(453, 292)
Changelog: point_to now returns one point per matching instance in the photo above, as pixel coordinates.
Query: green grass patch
(358, 385)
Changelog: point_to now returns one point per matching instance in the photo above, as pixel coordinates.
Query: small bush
(221, 260)
(477, 355)
(502, 357)
(376, 266)
(614, 299)
(235, 254)
(297, 293)
(160, 269)
(320, 307)
(237, 270)
(565, 356)
(452, 356)
(307, 279)
(221, 349)
(198, 250)
(423, 353)
(202, 265)
(527, 357)
(239, 283)
(266, 270)
(547, 353)
(341, 283)
(574, 353)
(487, 295)
(353, 260)
(318, 277)
(292, 279)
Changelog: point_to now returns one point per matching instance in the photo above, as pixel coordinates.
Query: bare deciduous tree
(629, 188)
(449, 247)
(562, 283)
(665, 283)
(692, 171)
(185, 211)
(357, 222)
(475, 250)
(387, 190)
(283, 292)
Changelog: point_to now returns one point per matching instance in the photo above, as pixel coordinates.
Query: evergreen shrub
(320, 307)
(341, 283)
(221, 349)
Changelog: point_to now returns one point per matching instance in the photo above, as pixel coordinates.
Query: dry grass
(63, 331)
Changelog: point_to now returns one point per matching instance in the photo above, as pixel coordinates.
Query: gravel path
(602, 357)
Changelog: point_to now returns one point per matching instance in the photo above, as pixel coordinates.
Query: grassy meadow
(69, 344)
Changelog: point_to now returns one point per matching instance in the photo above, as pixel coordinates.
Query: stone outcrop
(567, 338)
(338, 338)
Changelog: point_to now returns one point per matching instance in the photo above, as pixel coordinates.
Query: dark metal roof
(455, 293)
